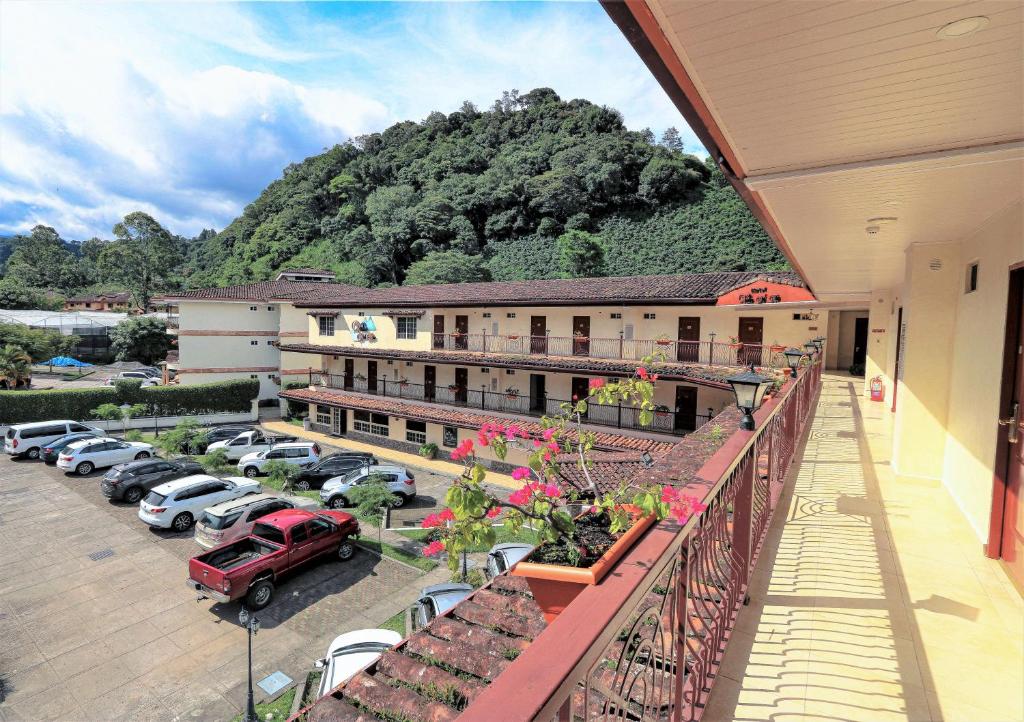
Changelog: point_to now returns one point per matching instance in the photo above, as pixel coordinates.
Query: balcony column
(878, 362)
(930, 291)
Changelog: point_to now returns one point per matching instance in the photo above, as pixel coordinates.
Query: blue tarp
(65, 361)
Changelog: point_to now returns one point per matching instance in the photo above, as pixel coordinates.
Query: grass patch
(279, 709)
(385, 549)
(503, 535)
(277, 486)
(295, 422)
(312, 687)
(396, 623)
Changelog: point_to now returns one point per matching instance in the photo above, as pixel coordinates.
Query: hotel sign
(764, 292)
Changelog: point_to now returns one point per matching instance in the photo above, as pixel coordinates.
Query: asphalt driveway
(97, 623)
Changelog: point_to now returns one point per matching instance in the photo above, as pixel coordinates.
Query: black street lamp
(749, 389)
(252, 626)
(811, 348)
(793, 356)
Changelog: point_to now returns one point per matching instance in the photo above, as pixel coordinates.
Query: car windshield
(154, 499)
(270, 533)
(216, 522)
(11, 433)
(362, 648)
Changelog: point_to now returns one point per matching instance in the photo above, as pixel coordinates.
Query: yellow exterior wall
(845, 337)
(386, 332)
(880, 333)
(977, 354)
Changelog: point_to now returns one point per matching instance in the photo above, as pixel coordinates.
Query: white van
(28, 440)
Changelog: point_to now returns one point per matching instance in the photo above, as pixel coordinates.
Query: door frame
(1000, 470)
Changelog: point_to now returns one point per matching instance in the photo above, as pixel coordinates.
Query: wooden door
(371, 376)
(539, 334)
(538, 393)
(339, 422)
(686, 409)
(429, 382)
(462, 332)
(581, 335)
(439, 331)
(688, 348)
(349, 373)
(461, 385)
(580, 389)
(751, 334)
(1007, 526)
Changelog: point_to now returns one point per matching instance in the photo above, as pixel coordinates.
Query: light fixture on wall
(749, 389)
(963, 28)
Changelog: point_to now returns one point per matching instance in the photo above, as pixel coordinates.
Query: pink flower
(433, 548)
(552, 491)
(463, 450)
(553, 446)
(596, 383)
(537, 443)
(493, 512)
(654, 377)
(446, 515)
(521, 473)
(548, 434)
(547, 456)
(641, 372)
(520, 496)
(431, 521)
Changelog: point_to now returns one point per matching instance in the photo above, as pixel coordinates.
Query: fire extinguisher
(877, 389)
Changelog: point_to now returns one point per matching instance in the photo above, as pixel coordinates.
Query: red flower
(433, 548)
(552, 490)
(641, 372)
(521, 473)
(521, 496)
(431, 521)
(596, 383)
(446, 515)
(493, 512)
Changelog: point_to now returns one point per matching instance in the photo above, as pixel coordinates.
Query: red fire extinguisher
(877, 389)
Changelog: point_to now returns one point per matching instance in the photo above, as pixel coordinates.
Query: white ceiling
(842, 111)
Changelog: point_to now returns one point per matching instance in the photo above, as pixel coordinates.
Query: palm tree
(15, 367)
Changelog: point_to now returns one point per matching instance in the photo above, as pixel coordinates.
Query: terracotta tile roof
(259, 291)
(115, 296)
(609, 470)
(452, 416)
(696, 373)
(434, 674)
(688, 288)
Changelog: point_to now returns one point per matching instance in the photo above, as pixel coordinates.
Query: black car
(313, 477)
(130, 482)
(52, 450)
(218, 433)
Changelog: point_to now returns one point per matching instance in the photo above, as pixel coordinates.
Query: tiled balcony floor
(872, 599)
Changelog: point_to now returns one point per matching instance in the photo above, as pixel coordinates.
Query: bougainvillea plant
(551, 510)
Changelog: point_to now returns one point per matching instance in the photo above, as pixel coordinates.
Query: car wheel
(337, 502)
(182, 522)
(346, 550)
(400, 501)
(84, 468)
(251, 472)
(259, 594)
(302, 485)
(133, 495)
(142, 455)
(32, 453)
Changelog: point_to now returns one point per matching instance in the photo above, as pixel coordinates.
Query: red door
(580, 335)
(539, 334)
(439, 331)
(1008, 507)
(688, 348)
(751, 333)
(462, 332)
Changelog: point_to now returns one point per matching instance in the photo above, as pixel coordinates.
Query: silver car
(438, 599)
(400, 481)
(231, 520)
(501, 557)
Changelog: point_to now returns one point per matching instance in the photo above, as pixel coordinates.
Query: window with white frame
(416, 432)
(323, 414)
(326, 325)
(406, 327)
(376, 424)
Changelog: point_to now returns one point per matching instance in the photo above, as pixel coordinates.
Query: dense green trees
(140, 338)
(143, 258)
(39, 344)
(580, 255)
(447, 267)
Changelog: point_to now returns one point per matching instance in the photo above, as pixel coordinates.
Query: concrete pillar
(930, 293)
(878, 362)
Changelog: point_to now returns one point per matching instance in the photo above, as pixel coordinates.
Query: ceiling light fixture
(962, 28)
(882, 220)
(872, 230)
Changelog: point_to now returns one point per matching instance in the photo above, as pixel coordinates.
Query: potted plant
(511, 393)
(513, 338)
(360, 377)
(734, 342)
(453, 387)
(662, 411)
(776, 347)
(403, 382)
(581, 538)
(663, 340)
(428, 450)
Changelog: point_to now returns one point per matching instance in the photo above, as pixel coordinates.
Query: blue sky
(188, 110)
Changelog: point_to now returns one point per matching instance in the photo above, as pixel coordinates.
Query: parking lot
(97, 623)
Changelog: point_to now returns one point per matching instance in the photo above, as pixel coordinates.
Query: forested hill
(472, 195)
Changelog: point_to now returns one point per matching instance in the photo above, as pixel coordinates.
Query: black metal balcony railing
(665, 421)
(707, 353)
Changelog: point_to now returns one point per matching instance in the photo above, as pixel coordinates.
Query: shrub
(217, 462)
(428, 450)
(296, 409)
(183, 438)
(133, 435)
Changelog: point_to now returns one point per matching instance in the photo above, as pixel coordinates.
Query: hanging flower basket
(663, 342)
(776, 348)
(513, 338)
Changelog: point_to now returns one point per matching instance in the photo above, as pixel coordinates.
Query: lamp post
(793, 356)
(811, 348)
(749, 389)
(252, 625)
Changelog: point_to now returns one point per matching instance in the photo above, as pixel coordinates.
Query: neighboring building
(306, 274)
(119, 301)
(91, 327)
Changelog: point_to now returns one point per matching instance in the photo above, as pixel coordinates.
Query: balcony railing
(647, 642)
(707, 353)
(665, 421)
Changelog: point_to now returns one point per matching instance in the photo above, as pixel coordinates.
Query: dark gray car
(130, 482)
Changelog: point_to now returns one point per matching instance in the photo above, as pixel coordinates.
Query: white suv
(231, 520)
(146, 378)
(83, 456)
(177, 504)
(30, 439)
(400, 481)
(301, 453)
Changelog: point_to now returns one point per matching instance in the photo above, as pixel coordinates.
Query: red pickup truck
(249, 568)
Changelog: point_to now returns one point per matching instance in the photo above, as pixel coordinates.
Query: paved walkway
(399, 457)
(872, 600)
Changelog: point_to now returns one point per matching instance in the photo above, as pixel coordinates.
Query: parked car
(177, 504)
(501, 557)
(51, 451)
(330, 466)
(82, 457)
(230, 520)
(400, 481)
(249, 442)
(215, 434)
(352, 652)
(299, 453)
(250, 567)
(438, 599)
(142, 376)
(130, 482)
(29, 440)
